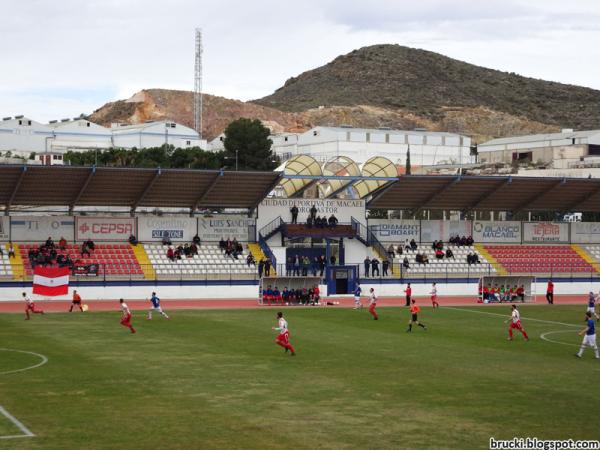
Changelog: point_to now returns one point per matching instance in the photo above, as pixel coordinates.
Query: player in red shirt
(30, 306)
(76, 302)
(515, 323)
(408, 292)
(126, 316)
(550, 292)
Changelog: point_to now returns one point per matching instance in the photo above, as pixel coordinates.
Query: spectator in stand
(62, 243)
(132, 240)
(49, 242)
(440, 245)
(296, 265)
(261, 268)
(449, 253)
(178, 252)
(309, 222)
(367, 264)
(305, 266)
(321, 222)
(476, 259)
(399, 250)
(470, 258)
(315, 266)
(332, 221)
(374, 266)
(170, 254)
(250, 260)
(289, 264)
(332, 260)
(391, 252)
(405, 263)
(322, 264)
(413, 245)
(196, 240)
(166, 240)
(407, 246)
(268, 265)
(68, 262)
(425, 259)
(85, 250)
(193, 249)
(294, 211)
(439, 254)
(90, 244)
(434, 245)
(11, 250)
(470, 240)
(222, 245)
(419, 258)
(384, 266)
(463, 241)
(60, 259)
(313, 212)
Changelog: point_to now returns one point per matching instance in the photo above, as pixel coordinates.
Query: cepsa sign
(104, 228)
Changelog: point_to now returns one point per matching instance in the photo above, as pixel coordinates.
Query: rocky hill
(385, 86)
(424, 83)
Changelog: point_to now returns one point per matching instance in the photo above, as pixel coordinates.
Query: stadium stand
(112, 259)
(5, 265)
(451, 266)
(539, 259)
(210, 261)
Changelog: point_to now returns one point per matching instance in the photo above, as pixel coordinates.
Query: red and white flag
(51, 281)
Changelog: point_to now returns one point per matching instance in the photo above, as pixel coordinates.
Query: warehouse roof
(539, 138)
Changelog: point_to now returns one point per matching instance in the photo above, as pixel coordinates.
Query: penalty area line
(506, 316)
(26, 432)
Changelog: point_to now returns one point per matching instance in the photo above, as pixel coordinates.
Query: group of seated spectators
(48, 253)
(186, 250)
(494, 293)
(441, 254)
(310, 296)
(321, 222)
(422, 258)
(461, 241)
(231, 248)
(473, 258)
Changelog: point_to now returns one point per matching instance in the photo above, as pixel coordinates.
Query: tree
(408, 168)
(250, 139)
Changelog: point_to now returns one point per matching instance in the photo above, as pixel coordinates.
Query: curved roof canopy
(299, 165)
(378, 166)
(338, 166)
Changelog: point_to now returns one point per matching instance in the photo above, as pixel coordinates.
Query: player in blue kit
(156, 307)
(589, 336)
(592, 306)
(357, 292)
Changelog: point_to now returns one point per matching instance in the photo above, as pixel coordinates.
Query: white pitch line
(35, 366)
(543, 336)
(506, 316)
(18, 424)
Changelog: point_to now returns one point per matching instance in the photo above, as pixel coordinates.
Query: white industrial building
(360, 144)
(567, 149)
(22, 136)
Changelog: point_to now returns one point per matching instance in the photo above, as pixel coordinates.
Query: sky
(61, 59)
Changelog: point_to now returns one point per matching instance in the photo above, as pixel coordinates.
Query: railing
(360, 230)
(266, 249)
(269, 229)
(374, 242)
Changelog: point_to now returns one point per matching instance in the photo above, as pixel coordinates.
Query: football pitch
(215, 379)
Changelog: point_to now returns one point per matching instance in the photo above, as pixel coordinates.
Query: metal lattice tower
(198, 83)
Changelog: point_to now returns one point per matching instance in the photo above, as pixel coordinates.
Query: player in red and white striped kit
(373, 304)
(515, 323)
(126, 316)
(30, 306)
(283, 339)
(433, 294)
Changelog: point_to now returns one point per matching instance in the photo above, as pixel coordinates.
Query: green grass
(215, 379)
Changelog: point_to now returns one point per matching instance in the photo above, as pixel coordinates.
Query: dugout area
(507, 282)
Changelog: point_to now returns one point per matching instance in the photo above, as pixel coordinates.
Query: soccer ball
(85, 307)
